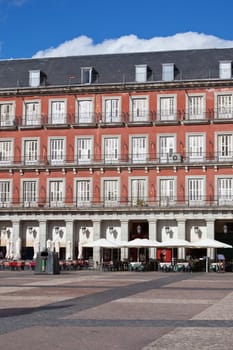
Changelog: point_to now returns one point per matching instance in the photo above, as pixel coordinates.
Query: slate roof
(115, 68)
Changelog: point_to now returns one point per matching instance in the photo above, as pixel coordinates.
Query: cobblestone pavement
(93, 310)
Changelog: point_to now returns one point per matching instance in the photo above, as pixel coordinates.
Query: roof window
(168, 72)
(34, 78)
(141, 73)
(225, 70)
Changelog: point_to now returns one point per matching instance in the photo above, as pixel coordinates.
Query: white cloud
(84, 45)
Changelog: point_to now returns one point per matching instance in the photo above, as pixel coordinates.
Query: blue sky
(39, 28)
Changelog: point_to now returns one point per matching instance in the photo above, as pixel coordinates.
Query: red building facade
(86, 154)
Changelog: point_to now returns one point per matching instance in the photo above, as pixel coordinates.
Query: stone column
(42, 235)
(124, 237)
(153, 237)
(16, 241)
(69, 240)
(181, 235)
(210, 235)
(96, 236)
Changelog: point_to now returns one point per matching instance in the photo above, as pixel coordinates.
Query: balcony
(135, 160)
(198, 118)
(162, 203)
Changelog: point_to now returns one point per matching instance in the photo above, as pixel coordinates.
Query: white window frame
(196, 150)
(139, 113)
(224, 150)
(83, 199)
(169, 113)
(139, 148)
(86, 75)
(31, 150)
(35, 117)
(59, 199)
(224, 196)
(197, 196)
(30, 194)
(168, 71)
(166, 146)
(141, 71)
(34, 78)
(7, 117)
(111, 198)
(6, 151)
(5, 196)
(222, 111)
(84, 154)
(85, 117)
(57, 117)
(57, 157)
(167, 184)
(195, 106)
(138, 190)
(111, 107)
(225, 69)
(112, 153)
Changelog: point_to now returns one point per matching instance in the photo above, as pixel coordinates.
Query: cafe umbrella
(175, 243)
(141, 243)
(102, 243)
(209, 243)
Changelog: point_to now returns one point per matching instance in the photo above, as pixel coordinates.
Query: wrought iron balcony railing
(138, 159)
(131, 203)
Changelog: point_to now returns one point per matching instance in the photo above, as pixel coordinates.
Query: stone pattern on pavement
(93, 310)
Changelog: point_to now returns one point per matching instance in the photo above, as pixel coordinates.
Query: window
(57, 115)
(110, 192)
(112, 110)
(84, 150)
(57, 151)
(7, 111)
(166, 191)
(225, 147)
(29, 193)
(139, 110)
(83, 195)
(224, 106)
(139, 149)
(6, 152)
(5, 193)
(31, 151)
(196, 109)
(32, 113)
(196, 191)
(167, 107)
(87, 75)
(111, 149)
(225, 190)
(56, 193)
(85, 111)
(225, 69)
(34, 78)
(141, 73)
(168, 72)
(196, 149)
(166, 148)
(138, 191)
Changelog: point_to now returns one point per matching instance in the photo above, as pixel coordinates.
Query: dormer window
(87, 75)
(168, 72)
(141, 73)
(225, 70)
(34, 78)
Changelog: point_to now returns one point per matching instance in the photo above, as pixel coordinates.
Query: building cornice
(116, 88)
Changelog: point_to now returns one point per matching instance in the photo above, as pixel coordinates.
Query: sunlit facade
(116, 146)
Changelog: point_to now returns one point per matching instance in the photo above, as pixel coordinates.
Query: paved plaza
(93, 310)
